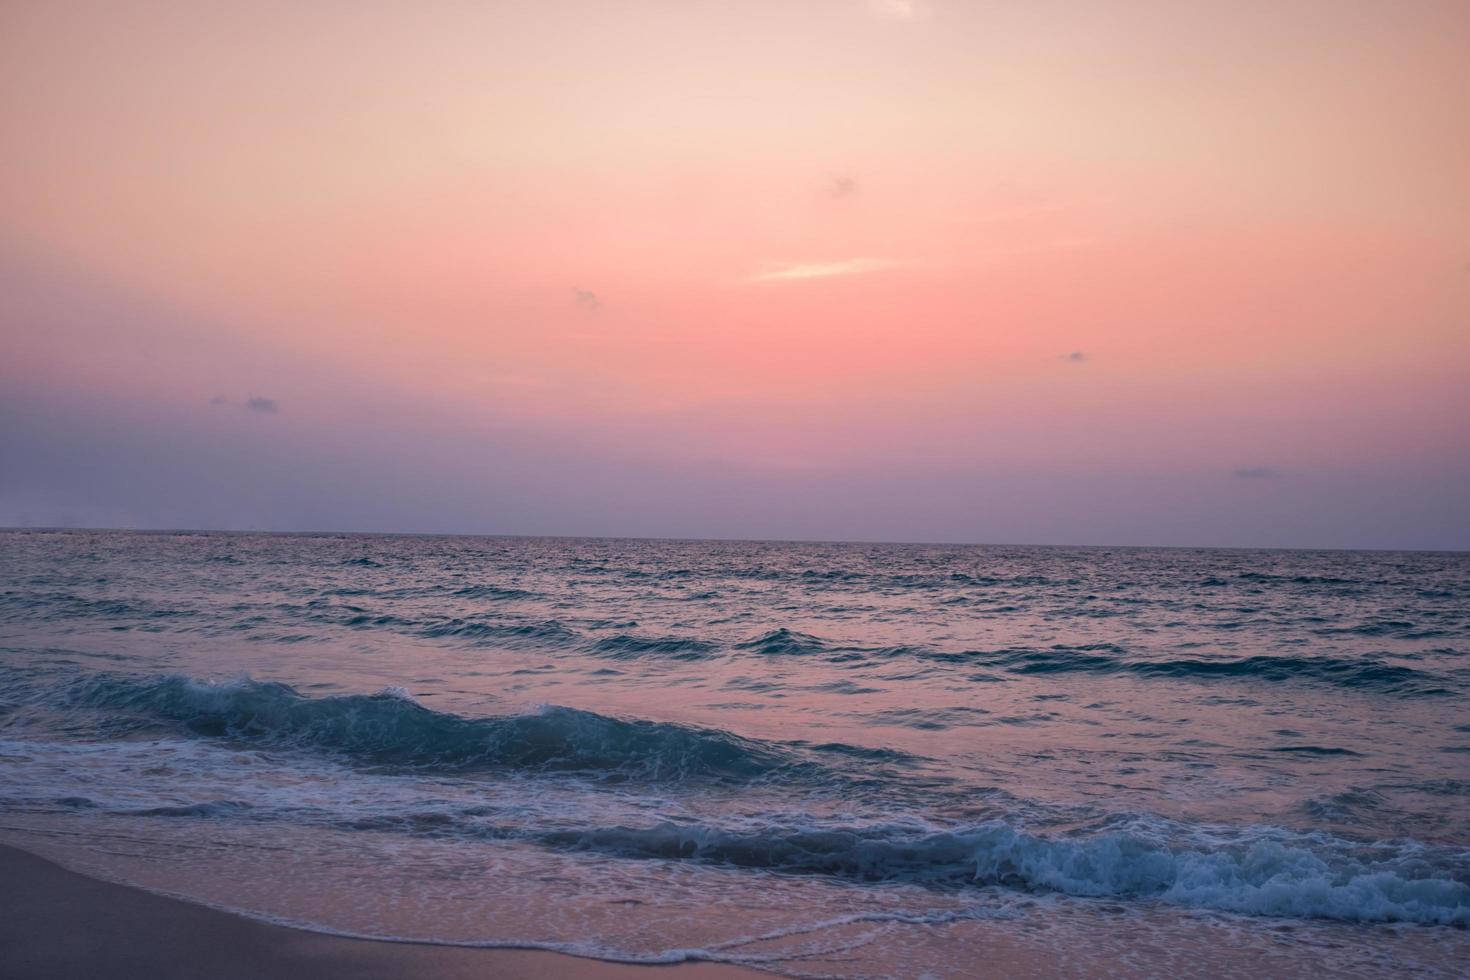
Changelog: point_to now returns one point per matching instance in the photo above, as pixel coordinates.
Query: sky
(1153, 273)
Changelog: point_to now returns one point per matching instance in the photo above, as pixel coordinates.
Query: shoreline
(56, 923)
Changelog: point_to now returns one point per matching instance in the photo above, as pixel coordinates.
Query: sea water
(813, 759)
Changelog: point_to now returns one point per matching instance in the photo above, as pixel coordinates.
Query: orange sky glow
(1142, 272)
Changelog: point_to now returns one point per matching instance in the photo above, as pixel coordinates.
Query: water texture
(807, 758)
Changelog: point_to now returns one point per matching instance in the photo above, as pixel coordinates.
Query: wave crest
(391, 729)
(1259, 872)
(626, 646)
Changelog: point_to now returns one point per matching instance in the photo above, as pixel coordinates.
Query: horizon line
(7, 529)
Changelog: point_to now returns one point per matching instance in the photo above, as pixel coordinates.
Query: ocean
(812, 759)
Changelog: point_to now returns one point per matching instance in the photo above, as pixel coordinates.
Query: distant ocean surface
(813, 759)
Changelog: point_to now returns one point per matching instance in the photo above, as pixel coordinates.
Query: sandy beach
(55, 923)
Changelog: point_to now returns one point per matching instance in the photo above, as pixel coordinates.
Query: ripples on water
(804, 757)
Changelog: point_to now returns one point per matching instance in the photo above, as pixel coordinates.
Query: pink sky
(1072, 272)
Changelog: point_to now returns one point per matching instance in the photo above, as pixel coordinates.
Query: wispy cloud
(267, 406)
(1256, 473)
(587, 300)
(1076, 357)
(823, 270)
(842, 187)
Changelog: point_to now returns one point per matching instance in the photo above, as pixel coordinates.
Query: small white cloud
(823, 270)
(898, 10)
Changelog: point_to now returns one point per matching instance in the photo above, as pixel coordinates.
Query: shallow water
(810, 758)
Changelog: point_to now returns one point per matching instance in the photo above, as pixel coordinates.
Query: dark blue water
(811, 758)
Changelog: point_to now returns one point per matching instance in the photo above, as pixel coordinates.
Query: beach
(55, 923)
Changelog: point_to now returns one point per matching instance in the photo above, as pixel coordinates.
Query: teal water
(811, 758)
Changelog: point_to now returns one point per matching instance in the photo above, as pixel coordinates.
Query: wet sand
(55, 923)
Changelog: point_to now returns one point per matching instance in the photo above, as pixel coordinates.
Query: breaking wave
(1258, 871)
(390, 728)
